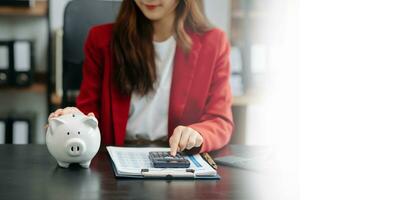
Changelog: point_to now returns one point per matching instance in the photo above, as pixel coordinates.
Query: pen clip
(209, 160)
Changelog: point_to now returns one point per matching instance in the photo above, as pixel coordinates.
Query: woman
(159, 72)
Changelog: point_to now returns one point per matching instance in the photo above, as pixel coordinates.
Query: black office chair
(79, 16)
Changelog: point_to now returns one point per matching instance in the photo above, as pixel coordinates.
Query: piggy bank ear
(91, 122)
(54, 123)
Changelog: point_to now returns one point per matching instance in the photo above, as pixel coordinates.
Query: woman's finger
(58, 112)
(174, 140)
(199, 140)
(191, 141)
(184, 138)
(69, 110)
(50, 116)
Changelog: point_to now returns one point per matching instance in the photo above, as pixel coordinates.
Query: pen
(210, 161)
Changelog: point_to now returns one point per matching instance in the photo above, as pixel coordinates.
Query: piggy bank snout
(75, 147)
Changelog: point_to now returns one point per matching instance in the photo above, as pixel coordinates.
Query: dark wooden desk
(29, 172)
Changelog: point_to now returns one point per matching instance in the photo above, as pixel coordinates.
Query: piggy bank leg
(85, 164)
(63, 164)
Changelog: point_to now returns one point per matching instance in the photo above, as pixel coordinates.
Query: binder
(23, 63)
(236, 60)
(19, 128)
(18, 3)
(236, 79)
(3, 125)
(236, 82)
(9, 130)
(21, 131)
(5, 63)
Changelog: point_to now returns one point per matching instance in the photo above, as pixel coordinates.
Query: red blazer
(200, 92)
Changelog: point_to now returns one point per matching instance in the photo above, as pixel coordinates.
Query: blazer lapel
(120, 113)
(182, 77)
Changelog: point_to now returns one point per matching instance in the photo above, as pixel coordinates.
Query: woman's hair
(132, 43)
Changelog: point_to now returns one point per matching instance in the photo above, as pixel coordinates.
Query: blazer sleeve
(216, 123)
(88, 99)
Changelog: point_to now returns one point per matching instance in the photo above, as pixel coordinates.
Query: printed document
(132, 160)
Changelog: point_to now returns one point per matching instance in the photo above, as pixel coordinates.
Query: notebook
(255, 158)
(133, 162)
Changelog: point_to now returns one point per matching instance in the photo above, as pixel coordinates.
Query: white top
(148, 115)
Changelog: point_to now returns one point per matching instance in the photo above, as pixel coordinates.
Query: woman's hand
(64, 111)
(184, 138)
(67, 110)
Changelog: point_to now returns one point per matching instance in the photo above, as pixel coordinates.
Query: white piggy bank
(73, 138)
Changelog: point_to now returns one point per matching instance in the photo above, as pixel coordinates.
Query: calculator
(163, 159)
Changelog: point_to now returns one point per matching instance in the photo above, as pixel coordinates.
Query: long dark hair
(132, 43)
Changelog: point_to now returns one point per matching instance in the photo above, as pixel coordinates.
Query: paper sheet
(131, 160)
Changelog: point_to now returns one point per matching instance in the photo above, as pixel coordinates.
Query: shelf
(243, 100)
(248, 99)
(39, 10)
(252, 15)
(34, 88)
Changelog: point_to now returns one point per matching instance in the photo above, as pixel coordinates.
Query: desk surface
(29, 172)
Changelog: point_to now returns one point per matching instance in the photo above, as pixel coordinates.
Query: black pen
(210, 161)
